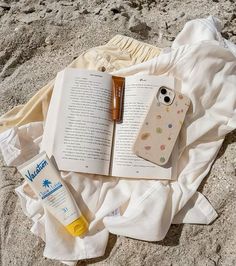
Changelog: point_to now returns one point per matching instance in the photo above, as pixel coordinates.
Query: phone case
(160, 129)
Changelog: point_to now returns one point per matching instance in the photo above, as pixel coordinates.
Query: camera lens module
(167, 99)
(163, 91)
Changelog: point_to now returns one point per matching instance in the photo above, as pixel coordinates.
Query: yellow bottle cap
(78, 227)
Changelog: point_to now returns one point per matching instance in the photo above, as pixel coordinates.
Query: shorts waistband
(139, 50)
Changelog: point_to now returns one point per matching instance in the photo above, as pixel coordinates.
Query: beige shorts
(119, 52)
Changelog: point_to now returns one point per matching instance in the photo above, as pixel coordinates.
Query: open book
(81, 135)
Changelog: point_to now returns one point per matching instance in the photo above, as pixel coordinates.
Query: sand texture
(39, 38)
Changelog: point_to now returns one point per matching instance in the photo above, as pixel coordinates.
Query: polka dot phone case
(161, 127)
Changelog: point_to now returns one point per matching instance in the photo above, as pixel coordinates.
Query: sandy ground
(39, 38)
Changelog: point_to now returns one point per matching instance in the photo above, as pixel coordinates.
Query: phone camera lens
(167, 99)
(163, 91)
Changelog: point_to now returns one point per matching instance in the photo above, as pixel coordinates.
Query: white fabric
(19, 144)
(145, 209)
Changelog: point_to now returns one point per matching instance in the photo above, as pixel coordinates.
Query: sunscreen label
(50, 188)
(40, 166)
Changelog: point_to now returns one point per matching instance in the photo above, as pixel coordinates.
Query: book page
(139, 92)
(84, 129)
(52, 116)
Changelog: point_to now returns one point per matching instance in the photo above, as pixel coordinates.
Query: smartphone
(161, 126)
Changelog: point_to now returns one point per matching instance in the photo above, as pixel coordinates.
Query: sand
(39, 38)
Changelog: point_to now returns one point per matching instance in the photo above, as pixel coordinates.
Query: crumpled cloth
(205, 65)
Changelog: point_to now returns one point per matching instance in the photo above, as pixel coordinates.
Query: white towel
(144, 209)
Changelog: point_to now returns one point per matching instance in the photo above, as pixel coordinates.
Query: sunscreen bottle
(45, 181)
